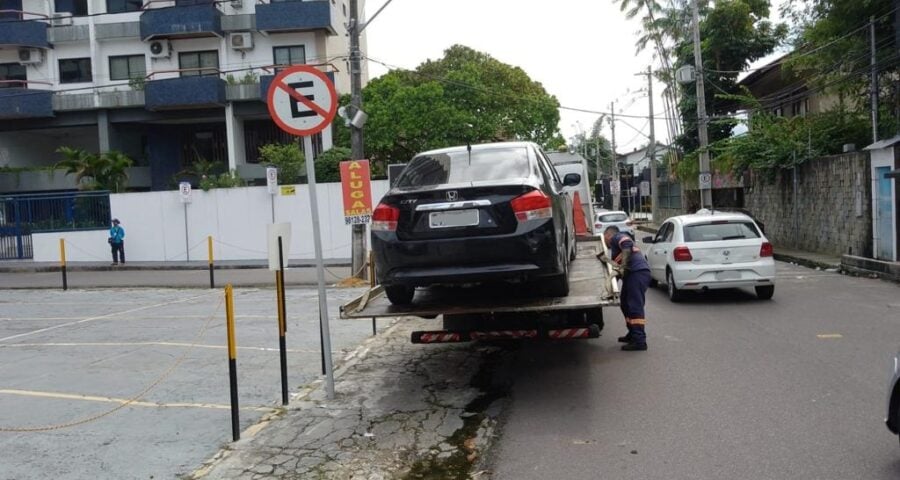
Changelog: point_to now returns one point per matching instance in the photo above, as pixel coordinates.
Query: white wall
(236, 218)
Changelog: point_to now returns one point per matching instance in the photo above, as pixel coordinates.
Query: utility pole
(358, 241)
(617, 198)
(651, 151)
(702, 120)
(874, 81)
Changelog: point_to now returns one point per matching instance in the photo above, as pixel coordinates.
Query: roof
(761, 71)
(480, 146)
(703, 216)
(890, 142)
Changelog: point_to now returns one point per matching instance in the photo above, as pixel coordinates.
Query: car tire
(558, 285)
(654, 283)
(574, 251)
(765, 292)
(675, 295)
(400, 294)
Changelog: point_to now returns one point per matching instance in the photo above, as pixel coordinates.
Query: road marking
(139, 317)
(95, 398)
(103, 317)
(823, 336)
(140, 344)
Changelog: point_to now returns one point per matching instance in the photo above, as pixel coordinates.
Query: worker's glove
(618, 270)
(603, 257)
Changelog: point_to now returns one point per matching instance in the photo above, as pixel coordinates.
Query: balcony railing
(23, 29)
(295, 16)
(185, 92)
(19, 101)
(181, 21)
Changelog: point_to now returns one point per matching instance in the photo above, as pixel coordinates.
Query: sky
(581, 51)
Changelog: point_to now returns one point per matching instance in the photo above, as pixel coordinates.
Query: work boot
(625, 338)
(635, 347)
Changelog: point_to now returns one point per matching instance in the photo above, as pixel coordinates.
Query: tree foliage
(287, 158)
(328, 164)
(106, 171)
(465, 97)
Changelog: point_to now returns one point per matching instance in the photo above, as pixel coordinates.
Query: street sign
(705, 181)
(184, 191)
(645, 188)
(614, 187)
(272, 180)
(633, 191)
(302, 100)
(357, 188)
(288, 190)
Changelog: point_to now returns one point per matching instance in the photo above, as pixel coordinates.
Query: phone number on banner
(358, 220)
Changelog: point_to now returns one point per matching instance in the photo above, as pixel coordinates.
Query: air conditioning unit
(685, 75)
(241, 41)
(30, 56)
(160, 49)
(61, 19)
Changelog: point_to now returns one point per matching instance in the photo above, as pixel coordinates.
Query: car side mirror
(571, 179)
(648, 240)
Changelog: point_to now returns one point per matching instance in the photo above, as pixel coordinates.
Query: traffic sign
(272, 180)
(302, 100)
(705, 180)
(614, 187)
(184, 191)
(645, 188)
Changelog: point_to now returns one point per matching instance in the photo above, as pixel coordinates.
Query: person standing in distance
(117, 242)
(629, 263)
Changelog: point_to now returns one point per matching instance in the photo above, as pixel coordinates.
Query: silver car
(893, 404)
(611, 218)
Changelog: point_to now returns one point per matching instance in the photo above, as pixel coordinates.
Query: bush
(287, 158)
(328, 165)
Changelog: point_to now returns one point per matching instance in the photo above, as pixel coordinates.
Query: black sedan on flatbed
(475, 214)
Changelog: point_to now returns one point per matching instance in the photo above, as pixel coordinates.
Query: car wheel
(654, 283)
(595, 316)
(558, 285)
(400, 294)
(765, 292)
(574, 251)
(675, 295)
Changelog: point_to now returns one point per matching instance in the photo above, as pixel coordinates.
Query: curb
(806, 262)
(108, 268)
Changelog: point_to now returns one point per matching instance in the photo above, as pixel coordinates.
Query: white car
(711, 250)
(611, 218)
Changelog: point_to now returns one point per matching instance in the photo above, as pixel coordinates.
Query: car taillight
(533, 205)
(766, 250)
(682, 254)
(629, 223)
(598, 225)
(384, 218)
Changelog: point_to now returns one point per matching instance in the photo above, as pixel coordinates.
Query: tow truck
(507, 311)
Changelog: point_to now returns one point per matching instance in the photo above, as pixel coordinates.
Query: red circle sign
(302, 100)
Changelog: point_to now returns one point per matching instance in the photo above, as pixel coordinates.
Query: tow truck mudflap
(446, 336)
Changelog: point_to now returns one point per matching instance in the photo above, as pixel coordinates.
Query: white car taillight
(384, 218)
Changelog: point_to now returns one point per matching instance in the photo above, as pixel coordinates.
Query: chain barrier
(160, 379)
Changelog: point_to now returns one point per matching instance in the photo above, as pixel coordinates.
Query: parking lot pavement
(69, 361)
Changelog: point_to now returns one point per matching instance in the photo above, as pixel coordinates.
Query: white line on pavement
(95, 398)
(140, 344)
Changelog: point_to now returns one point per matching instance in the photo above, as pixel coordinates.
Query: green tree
(107, 171)
(465, 97)
(328, 164)
(287, 158)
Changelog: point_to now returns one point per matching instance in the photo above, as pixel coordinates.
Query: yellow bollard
(232, 362)
(212, 277)
(62, 262)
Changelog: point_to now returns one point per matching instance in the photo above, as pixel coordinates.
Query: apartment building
(165, 81)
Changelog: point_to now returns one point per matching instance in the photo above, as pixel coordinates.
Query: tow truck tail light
(532, 205)
(682, 254)
(766, 250)
(384, 218)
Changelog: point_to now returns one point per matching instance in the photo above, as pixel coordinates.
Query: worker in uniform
(630, 265)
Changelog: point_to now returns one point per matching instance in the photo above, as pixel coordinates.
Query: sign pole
(320, 267)
(282, 324)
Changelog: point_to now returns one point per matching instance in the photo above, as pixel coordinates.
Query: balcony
(294, 16)
(63, 102)
(185, 92)
(17, 33)
(24, 102)
(182, 21)
(119, 30)
(69, 33)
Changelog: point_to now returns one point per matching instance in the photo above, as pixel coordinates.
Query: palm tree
(116, 174)
(95, 172)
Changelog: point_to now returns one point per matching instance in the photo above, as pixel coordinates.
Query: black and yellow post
(372, 285)
(282, 322)
(232, 362)
(62, 262)
(212, 275)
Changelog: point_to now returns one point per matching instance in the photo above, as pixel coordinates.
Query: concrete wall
(236, 218)
(830, 212)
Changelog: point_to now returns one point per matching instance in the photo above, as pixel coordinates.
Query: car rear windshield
(613, 217)
(717, 231)
(459, 167)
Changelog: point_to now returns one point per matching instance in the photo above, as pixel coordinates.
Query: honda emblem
(452, 195)
(726, 252)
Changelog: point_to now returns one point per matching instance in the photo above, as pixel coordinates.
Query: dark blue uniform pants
(632, 298)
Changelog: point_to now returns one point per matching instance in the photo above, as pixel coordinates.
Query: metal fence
(669, 195)
(22, 215)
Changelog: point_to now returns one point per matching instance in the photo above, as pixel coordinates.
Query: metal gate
(22, 215)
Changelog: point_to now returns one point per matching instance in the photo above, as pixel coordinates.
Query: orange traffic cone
(580, 221)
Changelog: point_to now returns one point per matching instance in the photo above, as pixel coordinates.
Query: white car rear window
(720, 230)
(612, 217)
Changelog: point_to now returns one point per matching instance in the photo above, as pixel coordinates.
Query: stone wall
(830, 211)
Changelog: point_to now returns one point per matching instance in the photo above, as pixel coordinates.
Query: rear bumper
(694, 277)
(521, 255)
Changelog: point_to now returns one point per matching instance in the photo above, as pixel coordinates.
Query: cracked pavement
(400, 411)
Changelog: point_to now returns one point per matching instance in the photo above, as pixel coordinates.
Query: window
(127, 67)
(199, 63)
(292, 55)
(119, 6)
(10, 9)
(612, 217)
(75, 70)
(461, 167)
(77, 8)
(720, 230)
(12, 71)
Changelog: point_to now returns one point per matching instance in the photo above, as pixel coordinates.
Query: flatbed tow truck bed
(591, 287)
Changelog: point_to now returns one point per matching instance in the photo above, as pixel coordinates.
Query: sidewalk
(25, 266)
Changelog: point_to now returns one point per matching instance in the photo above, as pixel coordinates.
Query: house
(639, 158)
(167, 82)
(885, 168)
(784, 93)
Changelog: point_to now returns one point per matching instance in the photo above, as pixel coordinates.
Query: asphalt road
(732, 387)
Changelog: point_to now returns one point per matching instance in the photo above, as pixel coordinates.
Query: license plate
(728, 275)
(453, 218)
